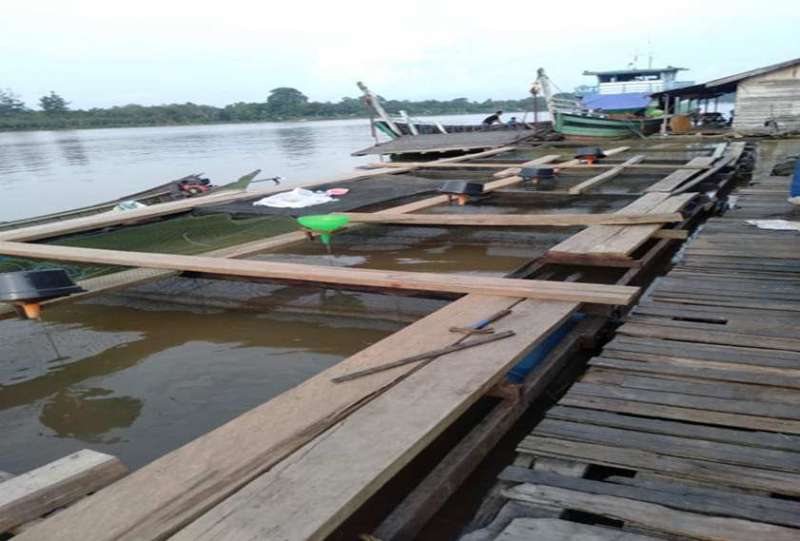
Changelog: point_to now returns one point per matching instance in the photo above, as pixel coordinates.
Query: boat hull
(586, 127)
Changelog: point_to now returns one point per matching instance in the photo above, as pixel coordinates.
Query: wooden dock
(278, 456)
(686, 425)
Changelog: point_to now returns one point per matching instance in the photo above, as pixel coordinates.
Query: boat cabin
(637, 80)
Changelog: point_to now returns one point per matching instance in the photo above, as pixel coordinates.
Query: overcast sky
(98, 53)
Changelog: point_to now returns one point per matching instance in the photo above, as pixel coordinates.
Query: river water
(49, 171)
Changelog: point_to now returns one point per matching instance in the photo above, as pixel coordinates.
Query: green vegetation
(283, 103)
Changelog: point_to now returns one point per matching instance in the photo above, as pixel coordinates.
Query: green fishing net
(186, 235)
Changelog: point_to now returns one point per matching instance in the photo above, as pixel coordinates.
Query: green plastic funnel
(324, 224)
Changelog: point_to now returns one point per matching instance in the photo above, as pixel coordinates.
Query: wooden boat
(604, 126)
(574, 120)
(194, 185)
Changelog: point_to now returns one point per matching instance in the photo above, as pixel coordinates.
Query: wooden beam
(415, 281)
(511, 220)
(605, 177)
(514, 170)
(30, 495)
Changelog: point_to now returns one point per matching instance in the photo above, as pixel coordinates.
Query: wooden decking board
(621, 241)
(606, 176)
(652, 516)
(785, 442)
(707, 503)
(670, 445)
(679, 176)
(638, 459)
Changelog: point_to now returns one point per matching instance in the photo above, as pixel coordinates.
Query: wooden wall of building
(774, 95)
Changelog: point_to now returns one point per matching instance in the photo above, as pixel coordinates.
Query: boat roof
(649, 71)
(632, 100)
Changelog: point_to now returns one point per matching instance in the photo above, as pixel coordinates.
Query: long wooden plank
(605, 177)
(416, 281)
(554, 529)
(724, 504)
(515, 170)
(679, 176)
(686, 468)
(32, 494)
(652, 516)
(621, 241)
(314, 490)
(677, 446)
(511, 220)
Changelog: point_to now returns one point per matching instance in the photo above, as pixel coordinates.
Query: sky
(99, 53)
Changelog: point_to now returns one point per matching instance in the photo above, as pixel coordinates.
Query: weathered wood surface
(553, 529)
(418, 281)
(462, 141)
(621, 241)
(656, 517)
(696, 397)
(314, 490)
(512, 220)
(606, 176)
(30, 495)
(679, 176)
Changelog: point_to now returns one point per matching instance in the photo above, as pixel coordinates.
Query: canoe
(584, 126)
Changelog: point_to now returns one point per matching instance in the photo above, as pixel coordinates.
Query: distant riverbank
(284, 105)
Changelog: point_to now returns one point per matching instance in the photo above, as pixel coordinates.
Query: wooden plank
(772, 410)
(703, 371)
(699, 470)
(682, 413)
(786, 442)
(307, 495)
(59, 483)
(621, 241)
(717, 505)
(511, 220)
(679, 176)
(653, 516)
(417, 281)
(709, 336)
(731, 158)
(554, 529)
(676, 446)
(605, 177)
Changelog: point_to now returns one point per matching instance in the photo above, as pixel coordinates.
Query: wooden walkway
(687, 425)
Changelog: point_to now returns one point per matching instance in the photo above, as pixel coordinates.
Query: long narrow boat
(194, 185)
(586, 126)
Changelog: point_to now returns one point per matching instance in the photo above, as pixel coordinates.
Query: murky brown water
(136, 376)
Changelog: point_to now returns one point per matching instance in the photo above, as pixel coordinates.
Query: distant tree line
(283, 103)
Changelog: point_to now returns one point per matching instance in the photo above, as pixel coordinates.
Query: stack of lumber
(693, 405)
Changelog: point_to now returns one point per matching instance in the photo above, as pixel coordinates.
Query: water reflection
(88, 414)
(72, 149)
(296, 142)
